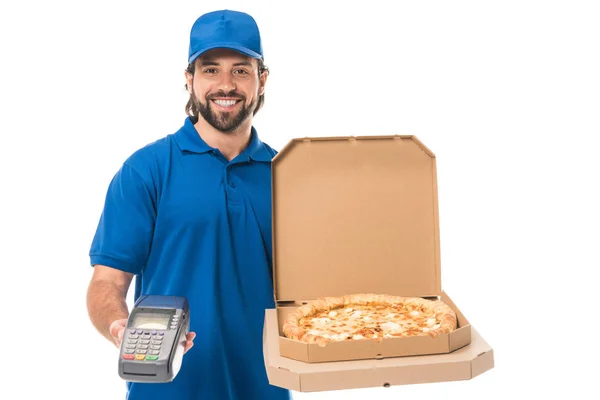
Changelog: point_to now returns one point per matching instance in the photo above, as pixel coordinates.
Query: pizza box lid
(355, 215)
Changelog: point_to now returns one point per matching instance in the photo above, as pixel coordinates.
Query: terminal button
(151, 357)
(140, 357)
(128, 356)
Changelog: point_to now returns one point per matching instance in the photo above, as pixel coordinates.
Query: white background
(505, 93)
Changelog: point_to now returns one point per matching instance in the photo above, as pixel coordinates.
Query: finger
(120, 333)
(188, 345)
(117, 331)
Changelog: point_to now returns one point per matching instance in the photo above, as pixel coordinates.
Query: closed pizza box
(360, 215)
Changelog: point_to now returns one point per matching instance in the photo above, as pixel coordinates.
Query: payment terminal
(154, 339)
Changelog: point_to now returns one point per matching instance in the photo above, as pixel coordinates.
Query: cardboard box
(370, 349)
(358, 215)
(463, 364)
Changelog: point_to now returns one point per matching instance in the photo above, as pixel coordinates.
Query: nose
(227, 83)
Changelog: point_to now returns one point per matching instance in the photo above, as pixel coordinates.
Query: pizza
(368, 316)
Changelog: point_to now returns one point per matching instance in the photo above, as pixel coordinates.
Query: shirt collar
(189, 140)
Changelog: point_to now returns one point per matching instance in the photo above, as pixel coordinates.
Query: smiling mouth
(229, 103)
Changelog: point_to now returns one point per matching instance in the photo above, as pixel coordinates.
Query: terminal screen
(151, 321)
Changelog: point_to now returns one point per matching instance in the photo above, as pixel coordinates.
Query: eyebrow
(210, 62)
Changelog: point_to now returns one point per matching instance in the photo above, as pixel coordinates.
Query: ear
(262, 82)
(189, 81)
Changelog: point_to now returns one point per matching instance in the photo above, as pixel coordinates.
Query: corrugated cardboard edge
(436, 224)
(294, 349)
(292, 142)
(483, 363)
(461, 336)
(284, 378)
(436, 215)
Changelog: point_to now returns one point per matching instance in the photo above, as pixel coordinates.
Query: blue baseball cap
(225, 29)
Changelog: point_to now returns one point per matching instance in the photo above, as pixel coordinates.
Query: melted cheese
(321, 322)
(341, 336)
(343, 323)
(391, 326)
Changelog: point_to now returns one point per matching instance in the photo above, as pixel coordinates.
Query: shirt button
(232, 184)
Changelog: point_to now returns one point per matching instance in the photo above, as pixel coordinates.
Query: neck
(230, 144)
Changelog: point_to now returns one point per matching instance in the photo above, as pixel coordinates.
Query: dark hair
(190, 107)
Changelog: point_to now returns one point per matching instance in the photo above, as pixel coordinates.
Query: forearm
(106, 302)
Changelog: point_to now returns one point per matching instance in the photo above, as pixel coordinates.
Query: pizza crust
(368, 316)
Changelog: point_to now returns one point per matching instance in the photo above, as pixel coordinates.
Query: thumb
(117, 330)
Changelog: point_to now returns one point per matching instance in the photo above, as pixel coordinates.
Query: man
(190, 215)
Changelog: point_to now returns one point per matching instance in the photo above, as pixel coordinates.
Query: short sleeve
(124, 234)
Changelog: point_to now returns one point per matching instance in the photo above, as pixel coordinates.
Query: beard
(225, 122)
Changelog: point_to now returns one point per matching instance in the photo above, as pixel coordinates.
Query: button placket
(227, 177)
(231, 190)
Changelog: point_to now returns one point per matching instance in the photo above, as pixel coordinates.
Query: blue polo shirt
(188, 222)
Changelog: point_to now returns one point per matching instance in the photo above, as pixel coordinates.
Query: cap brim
(235, 47)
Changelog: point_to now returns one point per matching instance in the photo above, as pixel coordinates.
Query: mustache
(231, 93)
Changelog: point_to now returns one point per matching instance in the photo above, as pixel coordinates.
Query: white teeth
(225, 103)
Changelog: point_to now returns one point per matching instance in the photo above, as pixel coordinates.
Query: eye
(210, 70)
(240, 72)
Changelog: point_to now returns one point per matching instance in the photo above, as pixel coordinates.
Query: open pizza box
(360, 215)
